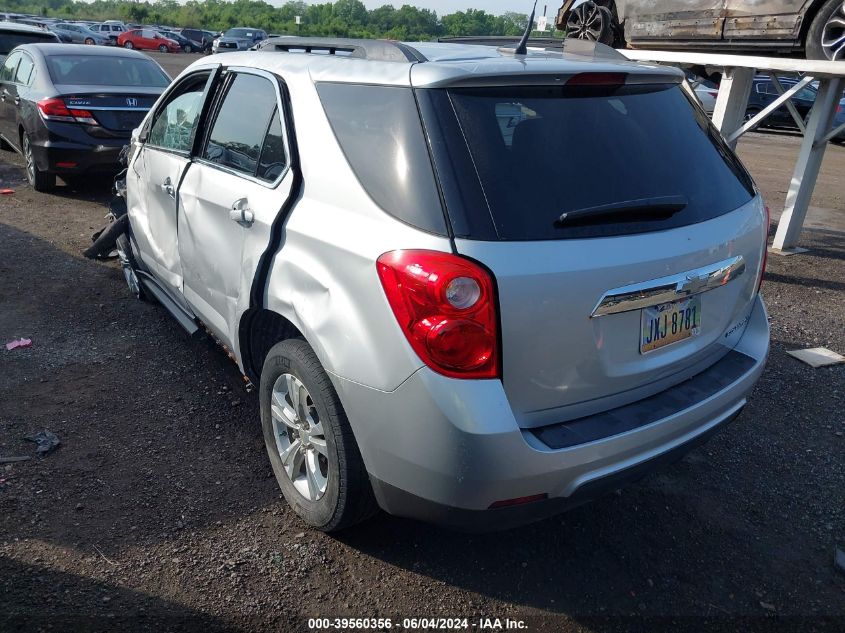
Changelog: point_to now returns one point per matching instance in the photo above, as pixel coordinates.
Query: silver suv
(475, 287)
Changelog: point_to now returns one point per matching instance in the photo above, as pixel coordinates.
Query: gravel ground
(159, 510)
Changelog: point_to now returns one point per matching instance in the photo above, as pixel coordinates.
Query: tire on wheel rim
(39, 180)
(750, 113)
(591, 22)
(123, 246)
(311, 447)
(128, 44)
(89, 41)
(162, 48)
(826, 35)
(188, 48)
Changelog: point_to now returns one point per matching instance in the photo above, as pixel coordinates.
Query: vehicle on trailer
(69, 109)
(148, 39)
(238, 39)
(764, 93)
(81, 34)
(815, 28)
(480, 328)
(13, 34)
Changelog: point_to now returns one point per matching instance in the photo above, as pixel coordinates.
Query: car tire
(162, 49)
(128, 44)
(129, 265)
(188, 48)
(307, 434)
(89, 41)
(594, 22)
(750, 113)
(39, 180)
(827, 28)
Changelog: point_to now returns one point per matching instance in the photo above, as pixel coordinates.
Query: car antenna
(522, 48)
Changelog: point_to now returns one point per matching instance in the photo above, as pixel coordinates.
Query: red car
(147, 39)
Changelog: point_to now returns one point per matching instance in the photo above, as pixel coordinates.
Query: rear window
(379, 131)
(541, 152)
(9, 40)
(99, 70)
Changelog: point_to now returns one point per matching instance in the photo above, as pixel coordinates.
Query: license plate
(670, 323)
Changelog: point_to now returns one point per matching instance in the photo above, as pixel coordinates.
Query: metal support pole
(807, 168)
(732, 101)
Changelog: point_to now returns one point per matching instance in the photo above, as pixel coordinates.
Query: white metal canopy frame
(730, 116)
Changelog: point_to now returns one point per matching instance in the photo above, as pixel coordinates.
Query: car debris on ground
(23, 342)
(46, 441)
(817, 357)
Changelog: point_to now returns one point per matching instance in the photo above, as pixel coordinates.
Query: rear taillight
(598, 79)
(765, 248)
(446, 307)
(56, 110)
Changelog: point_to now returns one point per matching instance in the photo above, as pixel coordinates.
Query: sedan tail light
(55, 110)
(446, 307)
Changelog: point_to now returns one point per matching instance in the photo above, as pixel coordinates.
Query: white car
(433, 329)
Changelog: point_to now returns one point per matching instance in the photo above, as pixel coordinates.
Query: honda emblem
(132, 102)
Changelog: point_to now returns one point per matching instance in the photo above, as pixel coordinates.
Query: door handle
(241, 213)
(168, 188)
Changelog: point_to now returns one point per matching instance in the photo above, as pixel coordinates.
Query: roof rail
(507, 44)
(373, 50)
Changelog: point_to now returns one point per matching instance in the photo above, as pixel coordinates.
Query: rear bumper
(444, 450)
(75, 152)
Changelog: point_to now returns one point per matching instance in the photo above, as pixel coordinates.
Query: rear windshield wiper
(642, 210)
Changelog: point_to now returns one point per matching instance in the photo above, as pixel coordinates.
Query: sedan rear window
(617, 160)
(9, 40)
(101, 70)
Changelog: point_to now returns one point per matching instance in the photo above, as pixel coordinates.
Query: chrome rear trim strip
(668, 289)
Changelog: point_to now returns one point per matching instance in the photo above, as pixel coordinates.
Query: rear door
(231, 196)
(156, 172)
(8, 91)
(662, 20)
(765, 19)
(624, 236)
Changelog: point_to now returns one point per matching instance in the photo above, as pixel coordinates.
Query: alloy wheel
(588, 22)
(833, 35)
(299, 435)
(29, 159)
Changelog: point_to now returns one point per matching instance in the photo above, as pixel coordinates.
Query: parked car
(706, 91)
(238, 39)
(763, 93)
(111, 29)
(205, 38)
(81, 34)
(813, 27)
(69, 109)
(439, 332)
(13, 34)
(187, 45)
(147, 39)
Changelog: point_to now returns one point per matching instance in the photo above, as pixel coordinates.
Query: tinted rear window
(9, 40)
(541, 152)
(379, 131)
(100, 70)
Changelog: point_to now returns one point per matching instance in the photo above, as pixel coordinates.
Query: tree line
(344, 18)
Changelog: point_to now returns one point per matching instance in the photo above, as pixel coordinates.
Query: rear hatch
(625, 237)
